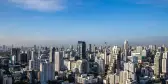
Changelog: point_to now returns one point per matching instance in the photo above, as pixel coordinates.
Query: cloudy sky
(66, 21)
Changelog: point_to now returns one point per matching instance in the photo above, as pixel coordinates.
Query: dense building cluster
(84, 64)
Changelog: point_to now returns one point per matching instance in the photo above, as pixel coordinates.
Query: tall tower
(16, 52)
(82, 49)
(126, 47)
(32, 55)
(52, 54)
(58, 61)
(90, 48)
(157, 64)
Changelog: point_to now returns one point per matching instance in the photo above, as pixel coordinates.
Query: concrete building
(101, 66)
(84, 79)
(123, 77)
(82, 66)
(58, 61)
(126, 48)
(164, 65)
(34, 63)
(52, 54)
(67, 65)
(157, 64)
(46, 72)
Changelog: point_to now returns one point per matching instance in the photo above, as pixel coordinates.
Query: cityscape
(83, 41)
(84, 64)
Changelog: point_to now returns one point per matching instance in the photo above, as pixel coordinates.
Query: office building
(52, 54)
(13, 59)
(46, 72)
(82, 49)
(82, 66)
(101, 66)
(16, 52)
(58, 61)
(23, 57)
(90, 48)
(34, 63)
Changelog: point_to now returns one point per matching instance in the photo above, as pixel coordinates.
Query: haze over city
(95, 21)
(83, 42)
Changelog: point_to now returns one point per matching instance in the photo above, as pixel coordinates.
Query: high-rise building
(165, 62)
(58, 61)
(34, 63)
(164, 65)
(82, 66)
(165, 55)
(90, 48)
(23, 58)
(46, 72)
(126, 48)
(106, 57)
(16, 52)
(101, 64)
(123, 77)
(111, 78)
(52, 54)
(82, 49)
(157, 64)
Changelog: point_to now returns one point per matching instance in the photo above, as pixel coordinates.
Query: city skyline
(62, 21)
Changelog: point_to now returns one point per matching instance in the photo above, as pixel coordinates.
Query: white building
(67, 65)
(58, 61)
(113, 79)
(144, 53)
(101, 64)
(165, 55)
(164, 65)
(123, 77)
(157, 64)
(50, 55)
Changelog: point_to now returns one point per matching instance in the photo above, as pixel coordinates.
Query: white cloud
(40, 5)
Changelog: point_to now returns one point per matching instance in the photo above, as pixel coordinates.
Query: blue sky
(90, 20)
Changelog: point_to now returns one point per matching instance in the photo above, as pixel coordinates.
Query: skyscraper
(90, 48)
(46, 72)
(23, 58)
(101, 64)
(58, 61)
(52, 54)
(82, 49)
(157, 64)
(126, 47)
(16, 52)
(165, 62)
